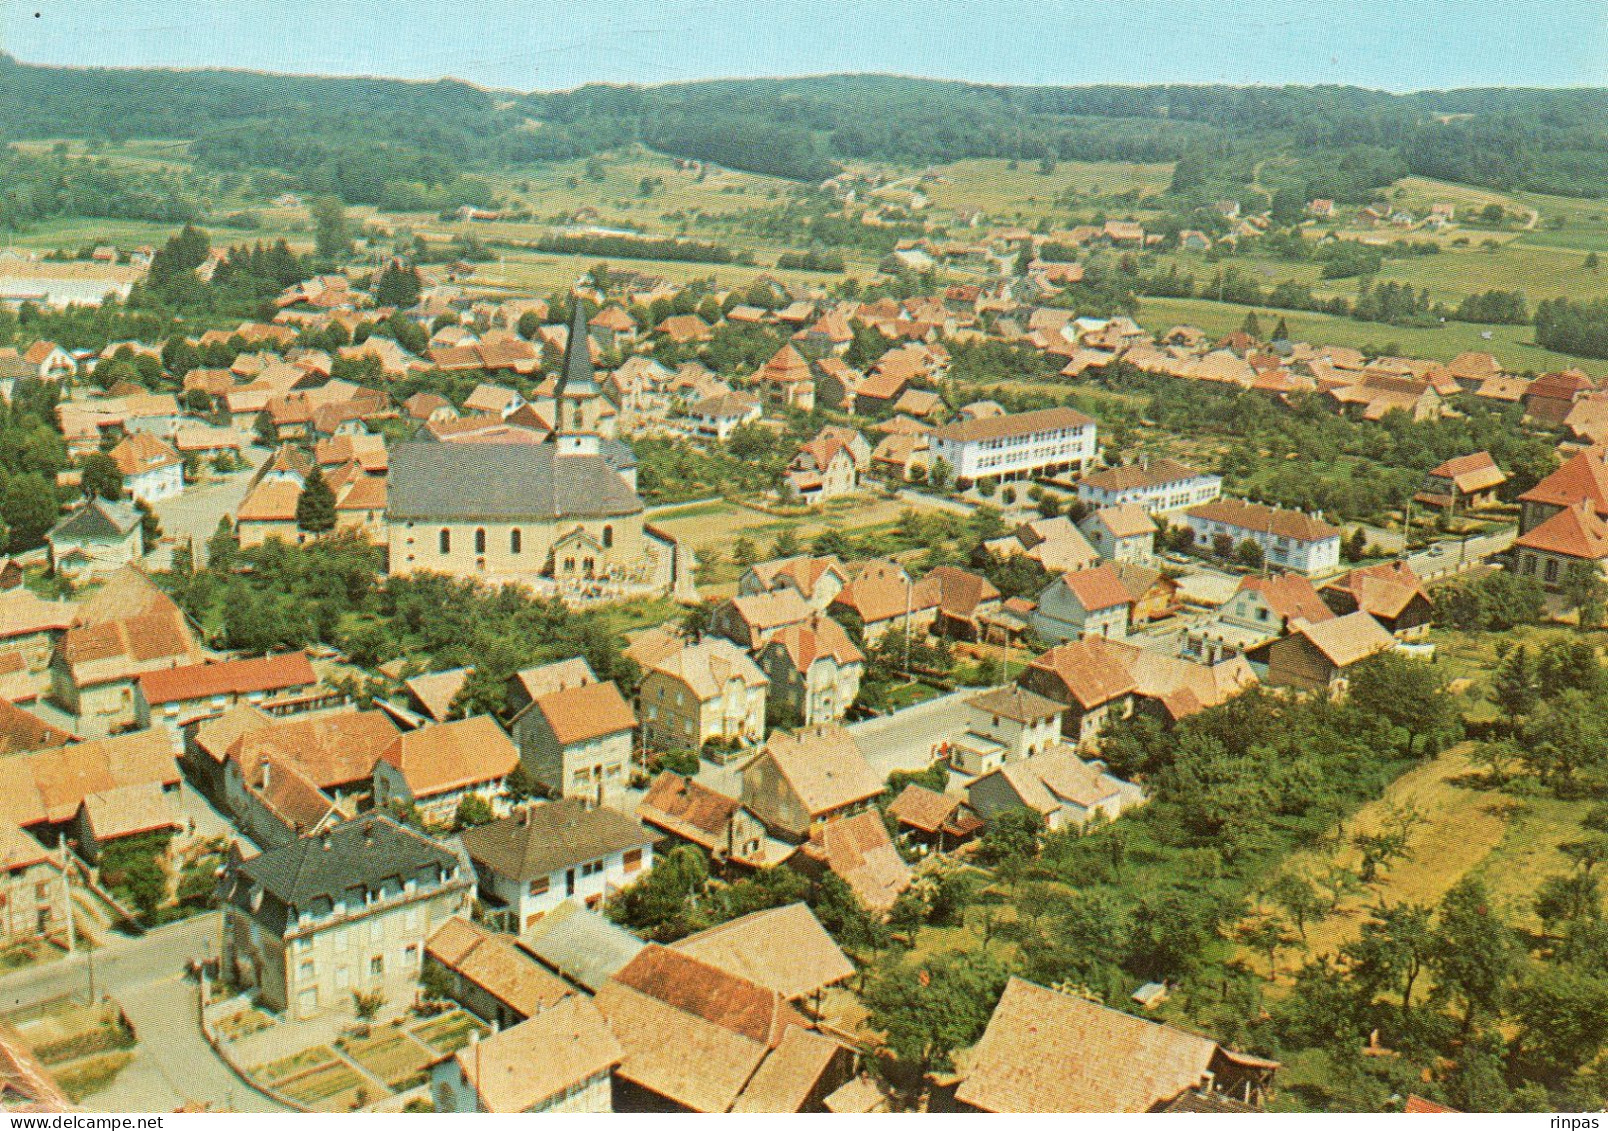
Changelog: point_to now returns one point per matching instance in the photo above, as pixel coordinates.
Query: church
(561, 517)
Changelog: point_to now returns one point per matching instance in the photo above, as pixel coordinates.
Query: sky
(557, 44)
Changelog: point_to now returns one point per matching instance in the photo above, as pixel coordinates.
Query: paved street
(173, 1064)
(195, 513)
(1452, 556)
(904, 740)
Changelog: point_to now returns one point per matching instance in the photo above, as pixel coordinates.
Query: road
(173, 1064)
(1451, 555)
(904, 739)
(195, 513)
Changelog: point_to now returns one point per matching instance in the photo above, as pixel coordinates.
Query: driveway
(194, 515)
(173, 1065)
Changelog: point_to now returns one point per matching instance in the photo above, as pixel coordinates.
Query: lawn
(1513, 346)
(1024, 193)
(296, 1063)
(449, 1032)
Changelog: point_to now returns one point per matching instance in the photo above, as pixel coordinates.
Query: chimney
(323, 840)
(266, 767)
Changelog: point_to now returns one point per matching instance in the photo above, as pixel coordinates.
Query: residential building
(717, 417)
(699, 1038)
(701, 692)
(886, 599)
(1157, 486)
(531, 861)
(1006, 724)
(33, 890)
(1088, 602)
(1574, 537)
(781, 948)
(490, 976)
(817, 580)
(581, 946)
(96, 539)
(807, 777)
(1055, 543)
(314, 921)
(1289, 539)
(753, 621)
(939, 821)
(1261, 609)
(436, 768)
(576, 742)
(1016, 446)
(1581, 479)
(177, 697)
(1058, 785)
(814, 669)
(433, 693)
(152, 470)
(968, 603)
(529, 685)
(858, 850)
(1317, 657)
(1046, 1051)
(561, 1060)
(1390, 592)
(1121, 533)
(693, 813)
(1468, 483)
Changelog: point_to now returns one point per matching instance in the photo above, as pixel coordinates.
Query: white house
(1065, 790)
(1086, 602)
(151, 468)
(1007, 724)
(1293, 539)
(1157, 485)
(1016, 446)
(717, 417)
(530, 862)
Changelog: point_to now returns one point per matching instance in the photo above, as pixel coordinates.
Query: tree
(1561, 901)
(315, 506)
(1355, 548)
(1267, 935)
(222, 547)
(1583, 588)
(1223, 546)
(1281, 332)
(1388, 843)
(1252, 326)
(332, 232)
(473, 811)
(1391, 951)
(926, 1012)
(1249, 554)
(179, 356)
(663, 903)
(786, 544)
(941, 475)
(101, 478)
(1516, 683)
(367, 1005)
(1562, 1016)
(1473, 953)
(1404, 693)
(150, 523)
(1012, 835)
(743, 552)
(1592, 262)
(1296, 897)
(397, 286)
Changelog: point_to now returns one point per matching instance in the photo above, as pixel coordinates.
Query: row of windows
(516, 540)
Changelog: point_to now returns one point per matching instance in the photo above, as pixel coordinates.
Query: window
(1552, 569)
(410, 956)
(446, 540)
(307, 970)
(591, 867)
(377, 966)
(633, 860)
(608, 537)
(480, 540)
(515, 541)
(540, 886)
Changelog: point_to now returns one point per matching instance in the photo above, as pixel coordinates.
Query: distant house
(576, 742)
(695, 814)
(700, 692)
(1058, 785)
(1391, 593)
(1055, 543)
(816, 579)
(753, 621)
(940, 821)
(809, 776)
(1574, 536)
(436, 768)
(95, 539)
(717, 417)
(814, 669)
(823, 469)
(1317, 657)
(1121, 533)
(152, 470)
(1260, 610)
(1088, 602)
(533, 860)
(180, 696)
(1045, 1051)
(858, 850)
(1469, 481)
(887, 599)
(967, 603)
(312, 922)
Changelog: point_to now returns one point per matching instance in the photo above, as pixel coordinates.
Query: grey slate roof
(578, 379)
(96, 521)
(503, 482)
(581, 945)
(371, 852)
(550, 837)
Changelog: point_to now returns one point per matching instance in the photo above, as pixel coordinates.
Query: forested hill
(362, 138)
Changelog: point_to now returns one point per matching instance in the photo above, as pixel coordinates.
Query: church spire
(577, 378)
(579, 401)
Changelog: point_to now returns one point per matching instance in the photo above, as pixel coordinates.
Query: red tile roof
(228, 677)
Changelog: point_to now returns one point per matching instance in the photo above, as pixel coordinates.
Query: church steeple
(579, 399)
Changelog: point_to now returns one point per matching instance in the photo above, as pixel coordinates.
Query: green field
(1023, 193)
(1511, 345)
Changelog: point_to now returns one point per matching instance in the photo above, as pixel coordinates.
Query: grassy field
(1511, 345)
(1026, 194)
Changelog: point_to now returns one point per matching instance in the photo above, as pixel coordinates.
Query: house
(1006, 724)
(529, 862)
(814, 669)
(152, 470)
(127, 628)
(1580, 479)
(21, 731)
(183, 695)
(1550, 396)
(96, 539)
(939, 821)
(696, 693)
(1097, 680)
(561, 1060)
(1390, 592)
(816, 579)
(1055, 543)
(753, 621)
(1058, 785)
(717, 417)
(1083, 603)
(1470, 480)
(1121, 533)
(314, 921)
(34, 897)
(692, 813)
(1015, 446)
(1046, 1051)
(436, 768)
(781, 948)
(699, 1038)
(1316, 657)
(45, 791)
(823, 469)
(806, 777)
(1574, 536)
(1154, 594)
(858, 850)
(968, 603)
(432, 694)
(786, 381)
(581, 946)
(1291, 539)
(490, 976)
(576, 742)
(885, 599)
(1379, 394)
(1260, 609)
